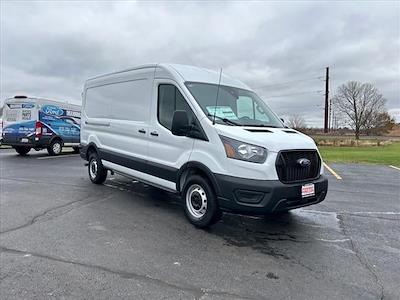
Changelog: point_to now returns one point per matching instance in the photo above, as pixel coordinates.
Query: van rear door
(19, 122)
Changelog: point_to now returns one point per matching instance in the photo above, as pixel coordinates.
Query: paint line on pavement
(333, 241)
(338, 177)
(58, 156)
(396, 168)
(371, 212)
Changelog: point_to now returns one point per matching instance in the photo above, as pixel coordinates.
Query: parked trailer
(36, 123)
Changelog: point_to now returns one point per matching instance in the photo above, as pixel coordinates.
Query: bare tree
(297, 122)
(379, 123)
(358, 103)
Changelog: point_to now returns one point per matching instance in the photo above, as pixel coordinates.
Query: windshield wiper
(262, 125)
(225, 120)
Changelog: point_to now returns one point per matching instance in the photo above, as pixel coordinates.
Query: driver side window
(170, 100)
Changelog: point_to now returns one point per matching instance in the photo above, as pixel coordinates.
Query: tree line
(359, 106)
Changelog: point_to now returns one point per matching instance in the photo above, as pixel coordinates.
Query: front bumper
(249, 196)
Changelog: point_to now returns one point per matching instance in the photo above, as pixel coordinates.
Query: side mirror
(180, 123)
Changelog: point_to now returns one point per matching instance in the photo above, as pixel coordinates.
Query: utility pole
(326, 100)
(330, 116)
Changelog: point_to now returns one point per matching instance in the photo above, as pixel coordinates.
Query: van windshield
(236, 107)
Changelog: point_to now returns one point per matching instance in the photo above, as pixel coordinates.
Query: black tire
(55, 147)
(22, 150)
(200, 202)
(76, 150)
(97, 173)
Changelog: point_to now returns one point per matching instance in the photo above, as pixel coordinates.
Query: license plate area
(307, 190)
(24, 140)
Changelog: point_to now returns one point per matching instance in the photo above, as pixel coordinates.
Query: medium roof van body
(40, 123)
(199, 133)
(1, 131)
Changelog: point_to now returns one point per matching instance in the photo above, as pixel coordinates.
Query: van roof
(37, 99)
(186, 73)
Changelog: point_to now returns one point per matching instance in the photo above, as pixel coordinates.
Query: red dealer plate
(307, 190)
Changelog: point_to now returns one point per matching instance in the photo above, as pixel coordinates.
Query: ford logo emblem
(303, 162)
(52, 110)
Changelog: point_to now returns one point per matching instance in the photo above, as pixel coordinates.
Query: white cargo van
(1, 131)
(40, 123)
(207, 137)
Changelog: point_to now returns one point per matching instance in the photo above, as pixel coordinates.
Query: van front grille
(293, 166)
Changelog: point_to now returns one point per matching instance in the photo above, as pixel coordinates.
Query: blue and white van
(40, 123)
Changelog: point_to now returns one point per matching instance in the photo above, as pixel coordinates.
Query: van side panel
(62, 121)
(116, 117)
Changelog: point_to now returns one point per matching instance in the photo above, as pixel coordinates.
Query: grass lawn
(384, 155)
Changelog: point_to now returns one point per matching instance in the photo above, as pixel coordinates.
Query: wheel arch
(55, 138)
(194, 167)
(90, 148)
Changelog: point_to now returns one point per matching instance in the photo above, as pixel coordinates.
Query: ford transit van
(40, 124)
(201, 134)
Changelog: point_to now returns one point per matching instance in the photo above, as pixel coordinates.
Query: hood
(274, 139)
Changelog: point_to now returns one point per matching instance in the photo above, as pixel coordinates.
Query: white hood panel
(274, 139)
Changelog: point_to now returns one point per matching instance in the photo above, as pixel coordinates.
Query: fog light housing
(249, 197)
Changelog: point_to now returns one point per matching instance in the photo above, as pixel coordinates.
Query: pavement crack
(198, 293)
(54, 212)
(362, 259)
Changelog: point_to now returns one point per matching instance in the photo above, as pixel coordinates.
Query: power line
(292, 94)
(288, 82)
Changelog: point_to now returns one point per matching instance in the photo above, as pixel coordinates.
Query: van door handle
(154, 133)
(106, 124)
(142, 131)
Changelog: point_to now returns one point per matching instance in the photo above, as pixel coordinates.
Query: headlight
(243, 151)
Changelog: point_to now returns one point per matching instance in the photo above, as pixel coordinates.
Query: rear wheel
(55, 147)
(200, 202)
(97, 173)
(22, 150)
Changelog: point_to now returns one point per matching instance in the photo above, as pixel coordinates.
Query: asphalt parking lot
(64, 237)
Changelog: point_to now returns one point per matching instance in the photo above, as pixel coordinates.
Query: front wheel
(200, 202)
(55, 148)
(97, 173)
(22, 150)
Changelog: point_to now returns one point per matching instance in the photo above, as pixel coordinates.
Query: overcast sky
(48, 49)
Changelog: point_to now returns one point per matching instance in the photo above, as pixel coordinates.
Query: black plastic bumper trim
(276, 196)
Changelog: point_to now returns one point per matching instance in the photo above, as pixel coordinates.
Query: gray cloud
(50, 48)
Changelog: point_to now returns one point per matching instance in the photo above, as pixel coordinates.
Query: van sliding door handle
(154, 133)
(142, 131)
(107, 124)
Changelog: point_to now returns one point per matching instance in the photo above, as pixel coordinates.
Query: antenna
(216, 99)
